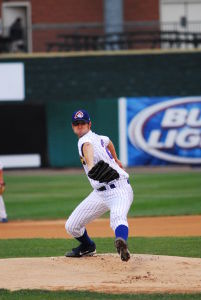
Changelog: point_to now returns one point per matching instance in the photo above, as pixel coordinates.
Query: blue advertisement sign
(160, 131)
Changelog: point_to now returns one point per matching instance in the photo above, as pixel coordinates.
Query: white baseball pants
(117, 200)
(3, 214)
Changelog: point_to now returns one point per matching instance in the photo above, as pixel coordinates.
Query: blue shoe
(4, 220)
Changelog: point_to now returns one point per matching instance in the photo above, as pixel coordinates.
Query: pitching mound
(103, 273)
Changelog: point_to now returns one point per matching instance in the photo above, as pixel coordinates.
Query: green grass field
(46, 295)
(55, 196)
(180, 246)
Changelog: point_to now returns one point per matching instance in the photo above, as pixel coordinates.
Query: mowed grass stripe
(55, 196)
(173, 246)
(72, 295)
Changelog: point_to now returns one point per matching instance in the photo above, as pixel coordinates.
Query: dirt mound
(103, 273)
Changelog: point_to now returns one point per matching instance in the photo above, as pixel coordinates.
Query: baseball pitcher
(111, 189)
(3, 215)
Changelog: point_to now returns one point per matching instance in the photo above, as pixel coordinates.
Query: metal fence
(86, 37)
(126, 40)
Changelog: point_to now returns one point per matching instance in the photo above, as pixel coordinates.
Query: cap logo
(79, 114)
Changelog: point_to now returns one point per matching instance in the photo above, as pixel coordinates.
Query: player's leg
(89, 209)
(119, 207)
(3, 215)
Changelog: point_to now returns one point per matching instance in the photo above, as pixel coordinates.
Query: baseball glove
(2, 187)
(103, 172)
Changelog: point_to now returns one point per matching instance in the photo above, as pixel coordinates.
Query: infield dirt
(104, 273)
(149, 226)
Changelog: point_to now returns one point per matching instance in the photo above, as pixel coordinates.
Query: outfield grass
(62, 295)
(179, 246)
(55, 196)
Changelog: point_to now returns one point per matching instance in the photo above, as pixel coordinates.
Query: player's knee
(69, 227)
(73, 228)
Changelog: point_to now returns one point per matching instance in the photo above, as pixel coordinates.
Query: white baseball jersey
(116, 196)
(101, 152)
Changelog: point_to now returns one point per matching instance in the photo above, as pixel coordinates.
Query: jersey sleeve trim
(82, 149)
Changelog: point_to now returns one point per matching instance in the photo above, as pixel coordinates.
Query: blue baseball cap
(80, 115)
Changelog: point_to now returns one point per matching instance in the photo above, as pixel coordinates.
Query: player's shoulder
(104, 139)
(85, 138)
(97, 138)
(93, 138)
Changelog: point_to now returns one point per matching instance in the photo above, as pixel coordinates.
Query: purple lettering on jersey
(109, 153)
(106, 149)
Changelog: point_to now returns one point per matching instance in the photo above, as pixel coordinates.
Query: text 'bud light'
(169, 130)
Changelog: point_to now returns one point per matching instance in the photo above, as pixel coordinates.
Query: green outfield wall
(61, 83)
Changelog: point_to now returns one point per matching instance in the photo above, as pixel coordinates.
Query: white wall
(12, 82)
(172, 11)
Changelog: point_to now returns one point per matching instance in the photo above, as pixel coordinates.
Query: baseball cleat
(82, 250)
(122, 249)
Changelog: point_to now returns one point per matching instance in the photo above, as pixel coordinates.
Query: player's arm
(88, 152)
(1, 176)
(112, 150)
(2, 183)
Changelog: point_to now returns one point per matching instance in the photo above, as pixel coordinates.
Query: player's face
(81, 128)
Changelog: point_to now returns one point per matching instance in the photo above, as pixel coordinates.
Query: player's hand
(2, 187)
(90, 167)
